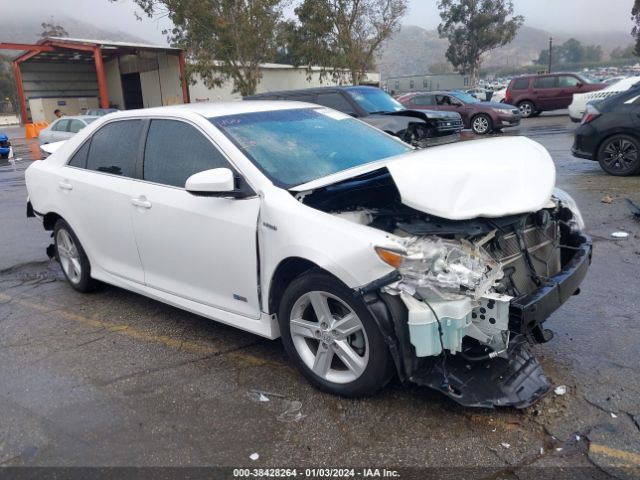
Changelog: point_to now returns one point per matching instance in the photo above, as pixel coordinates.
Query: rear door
(546, 92)
(96, 189)
(423, 101)
(201, 248)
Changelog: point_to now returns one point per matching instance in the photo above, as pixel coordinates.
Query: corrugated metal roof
(108, 43)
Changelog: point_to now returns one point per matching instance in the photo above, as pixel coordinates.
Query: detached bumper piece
(514, 382)
(528, 312)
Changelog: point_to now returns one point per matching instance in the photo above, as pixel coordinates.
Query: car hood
(482, 178)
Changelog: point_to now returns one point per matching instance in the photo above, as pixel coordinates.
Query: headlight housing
(442, 269)
(567, 201)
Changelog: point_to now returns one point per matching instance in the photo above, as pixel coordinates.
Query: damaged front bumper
(514, 377)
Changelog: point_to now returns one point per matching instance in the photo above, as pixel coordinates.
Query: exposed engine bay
(470, 288)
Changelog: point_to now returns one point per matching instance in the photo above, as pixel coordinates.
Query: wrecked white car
(369, 258)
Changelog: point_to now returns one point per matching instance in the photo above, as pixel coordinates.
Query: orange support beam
(102, 81)
(21, 96)
(183, 78)
(25, 46)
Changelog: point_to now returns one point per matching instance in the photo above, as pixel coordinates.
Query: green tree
(635, 33)
(224, 39)
(8, 89)
(475, 27)
(342, 35)
(619, 52)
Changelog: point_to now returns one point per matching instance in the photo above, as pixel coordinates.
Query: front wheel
(73, 260)
(527, 109)
(620, 155)
(481, 124)
(332, 338)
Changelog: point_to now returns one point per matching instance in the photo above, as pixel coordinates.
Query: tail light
(507, 97)
(590, 114)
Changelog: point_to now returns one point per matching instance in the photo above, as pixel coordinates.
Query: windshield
(373, 100)
(292, 147)
(465, 97)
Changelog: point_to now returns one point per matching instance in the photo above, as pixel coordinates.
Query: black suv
(610, 133)
(420, 128)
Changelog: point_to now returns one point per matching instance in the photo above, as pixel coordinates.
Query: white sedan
(64, 128)
(580, 100)
(367, 257)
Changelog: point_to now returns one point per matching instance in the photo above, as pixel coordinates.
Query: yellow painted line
(132, 332)
(629, 457)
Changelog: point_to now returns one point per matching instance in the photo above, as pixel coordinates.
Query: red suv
(534, 94)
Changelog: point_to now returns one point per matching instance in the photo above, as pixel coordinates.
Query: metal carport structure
(76, 67)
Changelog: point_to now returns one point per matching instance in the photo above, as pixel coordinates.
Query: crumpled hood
(482, 178)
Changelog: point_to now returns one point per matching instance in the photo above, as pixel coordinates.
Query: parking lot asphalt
(115, 379)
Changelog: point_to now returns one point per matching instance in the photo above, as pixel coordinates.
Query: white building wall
(170, 79)
(274, 78)
(114, 84)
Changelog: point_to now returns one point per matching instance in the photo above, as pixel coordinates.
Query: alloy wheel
(329, 337)
(526, 109)
(620, 156)
(69, 256)
(480, 125)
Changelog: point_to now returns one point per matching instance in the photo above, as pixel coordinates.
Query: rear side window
(545, 82)
(423, 100)
(175, 150)
(334, 100)
(521, 84)
(80, 158)
(61, 126)
(75, 126)
(114, 148)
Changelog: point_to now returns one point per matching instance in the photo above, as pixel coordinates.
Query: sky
(563, 16)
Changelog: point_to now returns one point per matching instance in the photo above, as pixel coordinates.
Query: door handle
(141, 202)
(65, 185)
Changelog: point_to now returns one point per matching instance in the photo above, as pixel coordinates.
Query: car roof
(77, 117)
(356, 88)
(214, 109)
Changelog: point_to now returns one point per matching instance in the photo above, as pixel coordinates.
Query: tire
(620, 155)
(536, 113)
(481, 124)
(73, 260)
(319, 348)
(527, 109)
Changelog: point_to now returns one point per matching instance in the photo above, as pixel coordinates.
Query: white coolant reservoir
(454, 315)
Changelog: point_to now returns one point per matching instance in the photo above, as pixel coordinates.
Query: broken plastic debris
(506, 445)
(494, 430)
(620, 235)
(613, 415)
(254, 456)
(262, 396)
(560, 390)
(292, 413)
(577, 438)
(559, 449)
(541, 451)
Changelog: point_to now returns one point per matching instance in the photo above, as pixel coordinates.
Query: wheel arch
(610, 135)
(49, 220)
(288, 270)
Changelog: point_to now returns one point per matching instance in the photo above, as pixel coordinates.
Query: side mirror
(214, 182)
(579, 85)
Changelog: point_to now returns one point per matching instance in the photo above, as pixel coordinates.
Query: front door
(200, 248)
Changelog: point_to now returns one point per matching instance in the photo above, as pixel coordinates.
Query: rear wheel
(73, 260)
(332, 338)
(620, 155)
(527, 109)
(481, 124)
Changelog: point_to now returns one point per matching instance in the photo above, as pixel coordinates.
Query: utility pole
(550, 52)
